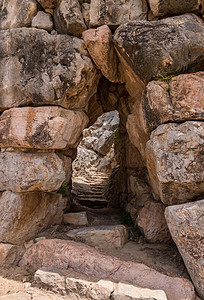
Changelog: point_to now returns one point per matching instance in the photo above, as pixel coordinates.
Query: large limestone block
(117, 12)
(129, 292)
(79, 218)
(8, 254)
(136, 130)
(114, 236)
(38, 68)
(43, 21)
(180, 99)
(68, 18)
(99, 44)
(175, 162)
(152, 223)
(84, 259)
(18, 13)
(162, 47)
(175, 7)
(48, 127)
(186, 224)
(27, 172)
(26, 214)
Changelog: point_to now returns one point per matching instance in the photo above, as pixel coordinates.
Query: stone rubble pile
(63, 63)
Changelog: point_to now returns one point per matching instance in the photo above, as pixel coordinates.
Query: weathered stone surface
(48, 4)
(51, 278)
(18, 13)
(152, 223)
(162, 47)
(89, 290)
(136, 131)
(48, 127)
(27, 172)
(186, 224)
(100, 136)
(86, 13)
(8, 254)
(76, 285)
(99, 44)
(79, 218)
(62, 254)
(88, 161)
(96, 150)
(38, 68)
(115, 13)
(68, 18)
(25, 214)
(114, 236)
(180, 99)
(88, 260)
(139, 192)
(129, 292)
(42, 21)
(175, 7)
(175, 162)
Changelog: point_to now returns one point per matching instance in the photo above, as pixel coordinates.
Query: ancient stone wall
(65, 62)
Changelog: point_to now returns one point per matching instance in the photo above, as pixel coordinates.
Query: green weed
(117, 137)
(63, 189)
(134, 231)
(163, 77)
(126, 219)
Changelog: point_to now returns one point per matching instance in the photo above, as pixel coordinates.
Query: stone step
(92, 191)
(94, 203)
(112, 236)
(91, 180)
(90, 196)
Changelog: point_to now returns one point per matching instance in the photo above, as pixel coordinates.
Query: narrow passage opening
(96, 158)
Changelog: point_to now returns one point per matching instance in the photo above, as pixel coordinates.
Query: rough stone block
(42, 21)
(68, 18)
(152, 223)
(39, 68)
(175, 7)
(161, 47)
(186, 224)
(18, 13)
(8, 254)
(99, 44)
(177, 100)
(79, 218)
(26, 214)
(114, 236)
(27, 172)
(129, 292)
(46, 127)
(175, 162)
(117, 12)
